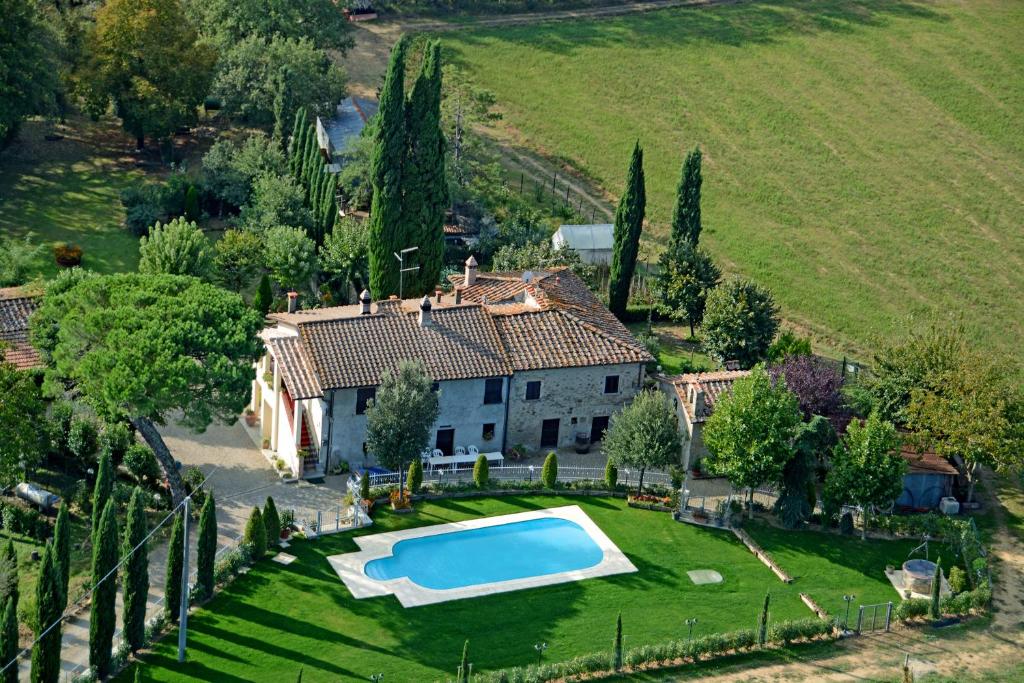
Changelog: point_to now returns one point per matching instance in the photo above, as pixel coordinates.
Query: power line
(68, 611)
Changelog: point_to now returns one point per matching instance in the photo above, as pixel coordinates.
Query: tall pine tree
(46, 650)
(175, 558)
(389, 143)
(62, 550)
(686, 214)
(206, 548)
(9, 640)
(298, 129)
(101, 491)
(629, 222)
(424, 182)
(102, 617)
(136, 572)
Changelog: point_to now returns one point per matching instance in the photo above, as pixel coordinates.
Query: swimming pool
(535, 547)
(431, 564)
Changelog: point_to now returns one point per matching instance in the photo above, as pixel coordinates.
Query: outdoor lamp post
(846, 621)
(531, 472)
(690, 623)
(540, 647)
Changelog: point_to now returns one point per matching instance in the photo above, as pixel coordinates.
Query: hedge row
(599, 485)
(667, 652)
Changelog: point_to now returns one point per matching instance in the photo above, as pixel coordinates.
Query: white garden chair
(460, 450)
(473, 450)
(437, 453)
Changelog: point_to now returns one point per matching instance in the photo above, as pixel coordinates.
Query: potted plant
(488, 435)
(266, 444)
(250, 417)
(400, 501)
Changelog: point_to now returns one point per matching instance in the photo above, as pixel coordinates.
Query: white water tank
(949, 506)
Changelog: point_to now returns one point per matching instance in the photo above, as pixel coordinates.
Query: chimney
(425, 312)
(293, 301)
(437, 295)
(699, 407)
(527, 276)
(470, 278)
(364, 302)
(458, 295)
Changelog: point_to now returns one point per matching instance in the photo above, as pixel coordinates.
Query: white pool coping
(350, 566)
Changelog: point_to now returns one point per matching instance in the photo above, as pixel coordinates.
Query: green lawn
(68, 191)
(863, 159)
(827, 566)
(267, 624)
(676, 353)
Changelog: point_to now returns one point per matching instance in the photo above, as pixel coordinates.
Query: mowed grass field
(865, 160)
(270, 622)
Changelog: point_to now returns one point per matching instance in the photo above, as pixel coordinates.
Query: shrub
(115, 440)
(846, 524)
(141, 463)
(481, 472)
(272, 521)
(83, 439)
(194, 479)
(416, 475)
(611, 475)
(911, 609)
(364, 486)
(549, 473)
(801, 629)
(957, 580)
(256, 534)
(67, 255)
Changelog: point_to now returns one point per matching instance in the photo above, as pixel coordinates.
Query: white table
(463, 459)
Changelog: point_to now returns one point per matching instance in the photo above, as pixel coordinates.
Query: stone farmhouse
(16, 305)
(525, 359)
(694, 396)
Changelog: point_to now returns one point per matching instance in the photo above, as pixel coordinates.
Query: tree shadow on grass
(736, 25)
(191, 670)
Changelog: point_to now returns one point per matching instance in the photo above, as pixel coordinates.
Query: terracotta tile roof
(557, 288)
(460, 343)
(713, 384)
(558, 339)
(925, 462)
(296, 374)
(15, 309)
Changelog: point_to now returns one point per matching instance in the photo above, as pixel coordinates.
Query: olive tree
(644, 434)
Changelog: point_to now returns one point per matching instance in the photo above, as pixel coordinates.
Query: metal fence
(525, 473)
(876, 617)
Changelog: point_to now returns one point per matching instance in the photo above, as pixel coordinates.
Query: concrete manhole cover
(703, 576)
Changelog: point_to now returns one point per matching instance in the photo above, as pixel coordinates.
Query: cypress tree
(272, 521)
(136, 572)
(329, 207)
(629, 221)
(256, 534)
(264, 295)
(206, 548)
(175, 558)
(101, 491)
(762, 626)
(298, 128)
(617, 651)
(9, 640)
(313, 163)
(46, 650)
(686, 214)
(386, 178)
(934, 609)
(364, 486)
(299, 153)
(10, 560)
(316, 189)
(464, 666)
(102, 617)
(62, 550)
(424, 182)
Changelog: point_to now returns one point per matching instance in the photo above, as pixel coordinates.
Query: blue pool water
(536, 547)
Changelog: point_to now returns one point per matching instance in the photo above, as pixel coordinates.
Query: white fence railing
(525, 473)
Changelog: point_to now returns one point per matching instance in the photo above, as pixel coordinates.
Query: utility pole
(183, 614)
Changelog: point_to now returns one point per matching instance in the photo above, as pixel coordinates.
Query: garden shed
(929, 478)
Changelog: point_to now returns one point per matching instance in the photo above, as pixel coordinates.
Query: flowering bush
(816, 382)
(400, 500)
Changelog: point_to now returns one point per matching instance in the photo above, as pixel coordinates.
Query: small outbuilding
(592, 242)
(928, 480)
